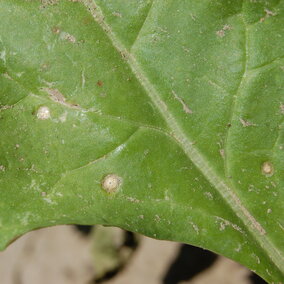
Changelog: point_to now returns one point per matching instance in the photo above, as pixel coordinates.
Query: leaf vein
(193, 154)
(104, 156)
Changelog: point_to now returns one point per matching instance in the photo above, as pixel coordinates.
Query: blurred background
(107, 255)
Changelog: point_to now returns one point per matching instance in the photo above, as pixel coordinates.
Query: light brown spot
(209, 195)
(67, 36)
(268, 14)
(117, 14)
(132, 199)
(55, 95)
(111, 183)
(267, 168)
(222, 32)
(45, 3)
(5, 107)
(58, 97)
(157, 218)
(185, 107)
(43, 113)
(7, 76)
(100, 83)
(55, 30)
(246, 123)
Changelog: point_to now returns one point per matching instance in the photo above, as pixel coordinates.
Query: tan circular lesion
(111, 183)
(43, 113)
(267, 168)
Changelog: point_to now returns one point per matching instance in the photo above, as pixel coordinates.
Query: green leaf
(161, 117)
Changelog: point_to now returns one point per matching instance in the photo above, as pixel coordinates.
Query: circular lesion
(43, 113)
(267, 169)
(111, 183)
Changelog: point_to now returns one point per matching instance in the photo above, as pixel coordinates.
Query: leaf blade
(175, 133)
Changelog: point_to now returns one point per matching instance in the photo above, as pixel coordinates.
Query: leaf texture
(180, 103)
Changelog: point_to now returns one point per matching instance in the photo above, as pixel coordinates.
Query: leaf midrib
(183, 140)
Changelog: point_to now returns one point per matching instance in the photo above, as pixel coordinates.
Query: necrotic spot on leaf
(267, 169)
(43, 113)
(111, 183)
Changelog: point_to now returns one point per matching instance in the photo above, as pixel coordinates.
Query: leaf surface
(161, 117)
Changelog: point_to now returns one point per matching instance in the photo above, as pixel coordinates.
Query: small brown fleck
(117, 14)
(55, 30)
(67, 36)
(268, 14)
(7, 76)
(246, 123)
(44, 67)
(100, 83)
(157, 218)
(221, 33)
(124, 55)
(185, 107)
(87, 20)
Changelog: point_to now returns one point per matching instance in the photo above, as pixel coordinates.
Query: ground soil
(63, 255)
